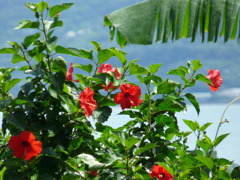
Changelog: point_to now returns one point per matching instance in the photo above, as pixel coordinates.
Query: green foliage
(49, 105)
(162, 20)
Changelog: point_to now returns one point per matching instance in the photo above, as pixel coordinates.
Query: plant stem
(221, 121)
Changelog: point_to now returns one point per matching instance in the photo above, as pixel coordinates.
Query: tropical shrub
(47, 131)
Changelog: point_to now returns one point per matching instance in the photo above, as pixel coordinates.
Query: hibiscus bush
(55, 126)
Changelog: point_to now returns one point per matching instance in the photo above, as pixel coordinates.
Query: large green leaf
(162, 20)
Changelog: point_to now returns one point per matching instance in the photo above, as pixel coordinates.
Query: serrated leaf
(194, 102)
(101, 114)
(219, 139)
(54, 10)
(27, 24)
(193, 125)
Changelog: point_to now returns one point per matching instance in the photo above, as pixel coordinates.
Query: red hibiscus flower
(160, 173)
(107, 68)
(25, 145)
(93, 173)
(129, 96)
(215, 78)
(69, 73)
(87, 103)
(110, 86)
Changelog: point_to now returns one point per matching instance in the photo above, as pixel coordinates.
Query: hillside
(84, 23)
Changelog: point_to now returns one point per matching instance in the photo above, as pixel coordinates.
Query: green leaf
(180, 71)
(131, 141)
(91, 161)
(52, 92)
(164, 119)
(51, 44)
(154, 68)
(59, 64)
(206, 161)
(14, 162)
(170, 105)
(236, 172)
(70, 176)
(194, 102)
(97, 45)
(86, 54)
(120, 55)
(219, 139)
(196, 64)
(138, 150)
(193, 125)
(10, 84)
(36, 51)
(18, 119)
(28, 40)
(27, 24)
(8, 51)
(75, 143)
(54, 10)
(206, 146)
(69, 51)
(101, 114)
(201, 77)
(58, 80)
(161, 20)
(104, 55)
(137, 69)
(42, 6)
(222, 174)
(167, 86)
(17, 58)
(31, 6)
(87, 68)
(205, 126)
(55, 23)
